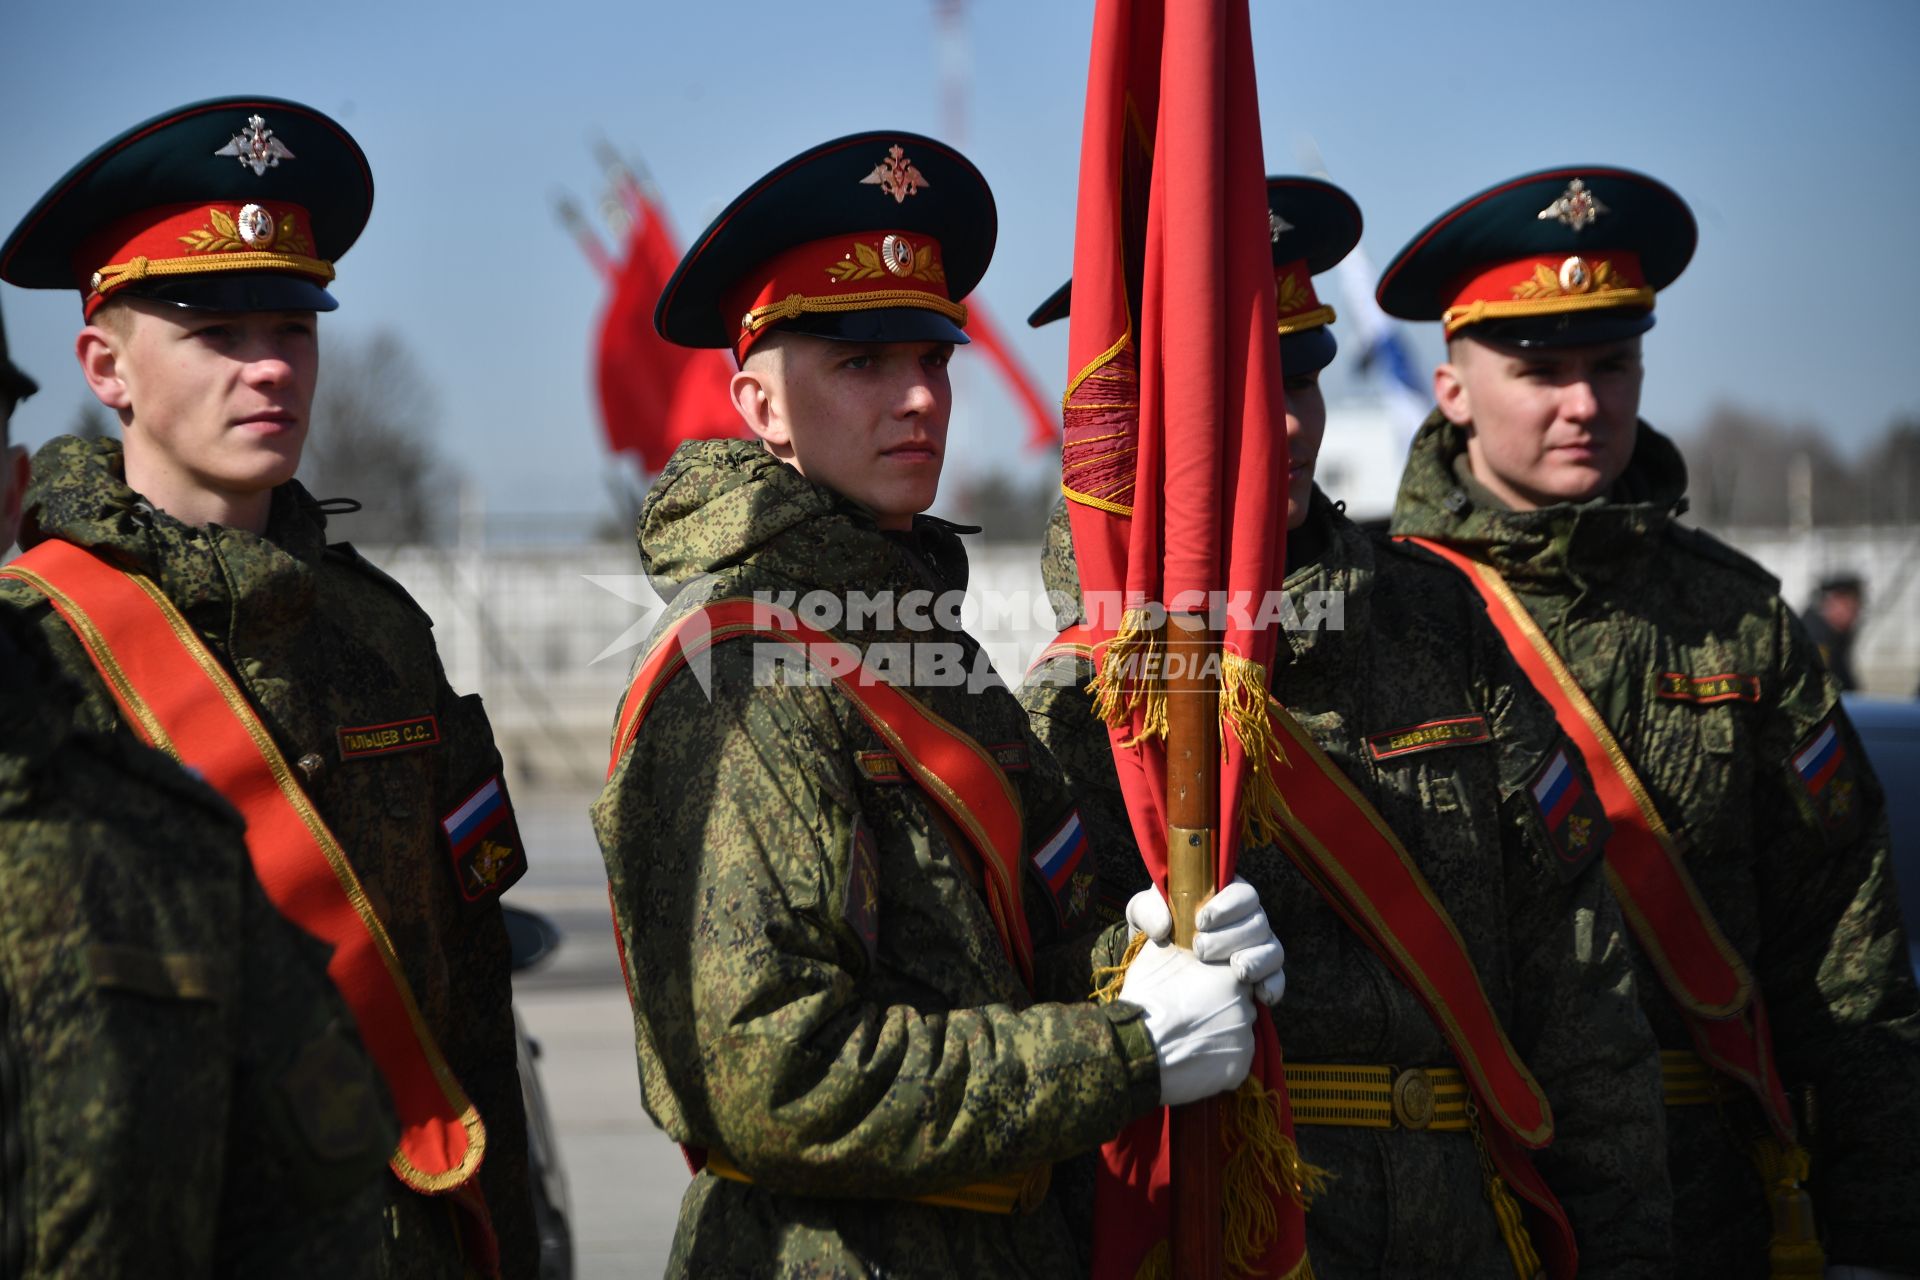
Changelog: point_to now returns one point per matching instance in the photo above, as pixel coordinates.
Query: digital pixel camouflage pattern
(182, 1092)
(324, 644)
(1415, 649)
(819, 992)
(1649, 615)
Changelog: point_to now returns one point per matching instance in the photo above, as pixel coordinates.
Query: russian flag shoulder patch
(1826, 772)
(1576, 825)
(484, 843)
(1062, 865)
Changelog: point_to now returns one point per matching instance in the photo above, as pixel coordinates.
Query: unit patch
(1061, 862)
(1826, 770)
(862, 909)
(484, 842)
(387, 739)
(1677, 687)
(1576, 824)
(1455, 731)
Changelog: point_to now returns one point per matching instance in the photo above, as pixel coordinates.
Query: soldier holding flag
(1406, 697)
(852, 893)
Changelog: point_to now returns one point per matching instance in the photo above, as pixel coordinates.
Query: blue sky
(1786, 125)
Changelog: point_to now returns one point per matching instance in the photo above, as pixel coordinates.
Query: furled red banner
(653, 394)
(1174, 451)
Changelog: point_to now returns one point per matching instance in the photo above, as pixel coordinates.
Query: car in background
(1890, 729)
(533, 938)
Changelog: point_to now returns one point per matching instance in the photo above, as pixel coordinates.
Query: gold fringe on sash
(1794, 1249)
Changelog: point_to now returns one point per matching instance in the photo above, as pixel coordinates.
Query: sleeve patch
(1675, 686)
(1453, 731)
(364, 741)
(1826, 772)
(1576, 825)
(1061, 863)
(862, 907)
(484, 842)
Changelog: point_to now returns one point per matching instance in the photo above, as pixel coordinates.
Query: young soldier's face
(1544, 426)
(214, 400)
(867, 420)
(1306, 428)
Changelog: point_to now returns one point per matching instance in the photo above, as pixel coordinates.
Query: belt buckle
(1413, 1099)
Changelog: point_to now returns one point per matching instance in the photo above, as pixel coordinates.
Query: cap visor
(15, 384)
(1308, 351)
(1569, 329)
(237, 291)
(887, 324)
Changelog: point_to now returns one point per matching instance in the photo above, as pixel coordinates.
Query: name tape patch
(387, 739)
(1454, 731)
(1676, 686)
(883, 768)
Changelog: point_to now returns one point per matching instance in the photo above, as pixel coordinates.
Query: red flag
(653, 394)
(1175, 463)
(1043, 425)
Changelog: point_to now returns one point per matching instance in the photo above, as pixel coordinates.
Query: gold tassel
(1158, 1264)
(1262, 1161)
(1108, 978)
(1794, 1248)
(1506, 1210)
(1133, 675)
(1243, 713)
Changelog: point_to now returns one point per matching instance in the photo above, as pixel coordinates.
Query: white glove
(1231, 928)
(1200, 1017)
(1843, 1271)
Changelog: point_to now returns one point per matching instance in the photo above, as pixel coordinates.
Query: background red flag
(1043, 424)
(653, 394)
(1174, 461)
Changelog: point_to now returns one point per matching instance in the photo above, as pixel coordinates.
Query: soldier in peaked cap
(1416, 707)
(1750, 835)
(186, 583)
(15, 386)
(848, 883)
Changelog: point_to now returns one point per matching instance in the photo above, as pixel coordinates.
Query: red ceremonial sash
(177, 697)
(1374, 885)
(1698, 966)
(955, 772)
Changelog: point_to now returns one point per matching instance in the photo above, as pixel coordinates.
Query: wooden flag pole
(1193, 796)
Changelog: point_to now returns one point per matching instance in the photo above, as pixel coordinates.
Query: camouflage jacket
(1407, 646)
(182, 1092)
(1649, 615)
(819, 992)
(323, 644)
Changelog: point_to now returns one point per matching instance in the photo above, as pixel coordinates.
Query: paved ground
(624, 1177)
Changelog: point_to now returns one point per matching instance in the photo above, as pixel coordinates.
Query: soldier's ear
(752, 390)
(98, 350)
(1450, 394)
